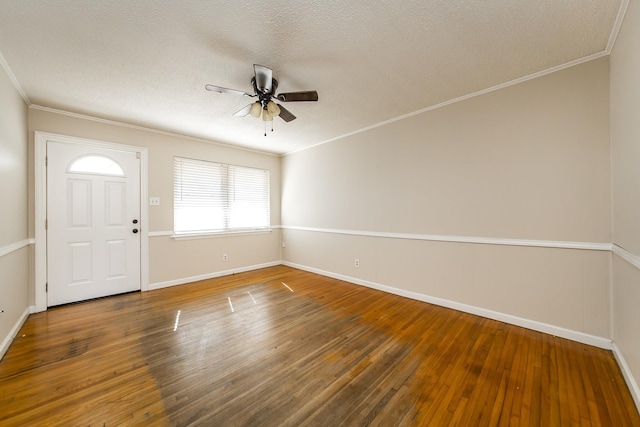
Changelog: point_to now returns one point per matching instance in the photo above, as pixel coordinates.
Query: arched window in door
(96, 165)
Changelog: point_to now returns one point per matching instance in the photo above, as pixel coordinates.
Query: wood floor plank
(284, 347)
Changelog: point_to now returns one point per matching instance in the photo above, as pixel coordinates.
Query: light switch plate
(154, 201)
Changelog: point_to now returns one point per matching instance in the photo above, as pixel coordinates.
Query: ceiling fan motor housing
(264, 96)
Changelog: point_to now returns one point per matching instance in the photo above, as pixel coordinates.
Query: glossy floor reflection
(281, 346)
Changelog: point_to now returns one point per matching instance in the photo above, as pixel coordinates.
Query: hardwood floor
(281, 346)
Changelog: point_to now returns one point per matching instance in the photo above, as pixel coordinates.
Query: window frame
(230, 175)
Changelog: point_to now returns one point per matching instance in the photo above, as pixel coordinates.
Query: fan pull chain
(265, 127)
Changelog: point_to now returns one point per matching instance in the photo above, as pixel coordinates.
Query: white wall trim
(6, 343)
(634, 389)
(627, 256)
(460, 99)
(478, 311)
(14, 80)
(146, 129)
(617, 25)
(171, 233)
(463, 239)
(40, 268)
(6, 250)
(175, 236)
(628, 375)
(213, 275)
(160, 233)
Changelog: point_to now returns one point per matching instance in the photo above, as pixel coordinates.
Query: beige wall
(14, 264)
(625, 140)
(531, 161)
(188, 258)
(625, 131)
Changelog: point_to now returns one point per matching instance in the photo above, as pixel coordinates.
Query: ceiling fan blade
(264, 76)
(286, 114)
(244, 111)
(311, 95)
(219, 89)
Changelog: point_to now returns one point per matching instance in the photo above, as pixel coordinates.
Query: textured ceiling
(145, 62)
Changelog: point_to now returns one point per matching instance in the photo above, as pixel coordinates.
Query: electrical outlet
(356, 263)
(225, 257)
(154, 201)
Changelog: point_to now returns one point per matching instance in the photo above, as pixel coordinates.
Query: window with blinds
(216, 198)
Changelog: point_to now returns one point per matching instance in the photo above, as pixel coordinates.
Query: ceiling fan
(264, 88)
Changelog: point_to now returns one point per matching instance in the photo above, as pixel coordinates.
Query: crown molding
(519, 80)
(14, 80)
(146, 129)
(617, 25)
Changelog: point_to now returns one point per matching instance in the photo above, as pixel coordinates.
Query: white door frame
(41, 139)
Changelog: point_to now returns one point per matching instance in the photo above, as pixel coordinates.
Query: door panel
(116, 203)
(92, 249)
(80, 262)
(116, 259)
(79, 202)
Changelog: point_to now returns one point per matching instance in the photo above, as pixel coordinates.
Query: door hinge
(46, 287)
(137, 155)
(46, 160)
(46, 224)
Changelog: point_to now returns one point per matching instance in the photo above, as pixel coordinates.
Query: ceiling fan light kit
(264, 88)
(273, 108)
(256, 109)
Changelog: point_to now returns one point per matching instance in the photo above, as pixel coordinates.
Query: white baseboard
(184, 280)
(580, 337)
(6, 343)
(557, 331)
(628, 376)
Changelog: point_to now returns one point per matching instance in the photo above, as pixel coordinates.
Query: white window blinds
(214, 197)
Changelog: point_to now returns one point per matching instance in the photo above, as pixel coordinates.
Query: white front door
(93, 214)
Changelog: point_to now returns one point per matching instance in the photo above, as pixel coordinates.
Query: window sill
(191, 236)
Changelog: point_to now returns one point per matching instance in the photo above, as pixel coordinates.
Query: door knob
(135, 230)
(135, 221)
